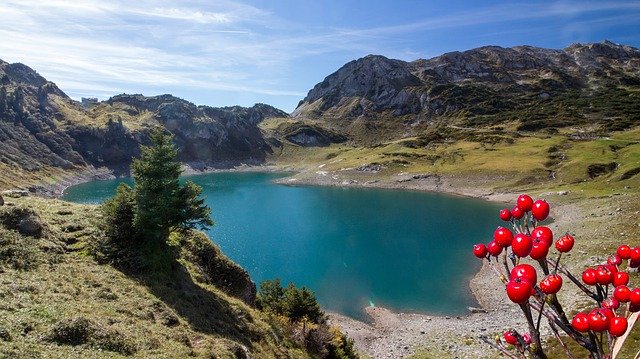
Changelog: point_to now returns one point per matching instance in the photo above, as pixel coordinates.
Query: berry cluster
(603, 278)
(533, 242)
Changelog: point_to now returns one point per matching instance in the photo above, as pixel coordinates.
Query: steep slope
(57, 301)
(45, 136)
(533, 87)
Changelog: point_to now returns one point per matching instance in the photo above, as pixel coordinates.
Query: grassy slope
(170, 315)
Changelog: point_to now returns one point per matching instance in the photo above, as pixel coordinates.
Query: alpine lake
(354, 247)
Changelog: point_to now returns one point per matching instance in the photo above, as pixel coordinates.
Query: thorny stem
(553, 318)
(537, 351)
(562, 344)
(555, 268)
(598, 353)
(587, 291)
(501, 276)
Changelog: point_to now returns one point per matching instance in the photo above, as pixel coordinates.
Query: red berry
(526, 272)
(503, 236)
(580, 322)
(611, 303)
(618, 326)
(624, 251)
(551, 284)
(622, 293)
(524, 202)
(589, 276)
(519, 290)
(539, 249)
(517, 213)
(544, 233)
(505, 215)
(634, 255)
(614, 260)
(634, 308)
(634, 264)
(598, 320)
(565, 243)
(494, 248)
(620, 278)
(540, 210)
(604, 275)
(521, 245)
(510, 337)
(634, 296)
(527, 338)
(480, 250)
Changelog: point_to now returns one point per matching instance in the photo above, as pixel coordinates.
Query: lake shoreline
(395, 334)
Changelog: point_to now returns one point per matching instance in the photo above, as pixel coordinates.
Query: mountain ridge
(361, 89)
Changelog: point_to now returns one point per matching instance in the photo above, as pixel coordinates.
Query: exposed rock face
(485, 80)
(42, 128)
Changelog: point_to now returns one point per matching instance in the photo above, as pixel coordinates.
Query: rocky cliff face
(482, 81)
(44, 132)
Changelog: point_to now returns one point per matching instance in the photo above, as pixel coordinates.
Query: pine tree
(162, 204)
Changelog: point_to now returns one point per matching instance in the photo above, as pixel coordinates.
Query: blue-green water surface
(405, 250)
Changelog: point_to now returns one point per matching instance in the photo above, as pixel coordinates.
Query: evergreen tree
(162, 204)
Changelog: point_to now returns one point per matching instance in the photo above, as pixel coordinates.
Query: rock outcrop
(44, 132)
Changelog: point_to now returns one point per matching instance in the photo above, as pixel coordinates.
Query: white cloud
(214, 45)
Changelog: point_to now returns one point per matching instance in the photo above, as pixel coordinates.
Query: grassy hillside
(57, 301)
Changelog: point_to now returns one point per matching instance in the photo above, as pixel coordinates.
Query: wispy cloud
(94, 47)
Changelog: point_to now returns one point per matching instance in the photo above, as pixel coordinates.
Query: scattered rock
(15, 193)
(5, 335)
(476, 310)
(563, 193)
(1, 201)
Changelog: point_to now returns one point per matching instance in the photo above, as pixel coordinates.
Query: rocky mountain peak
(376, 86)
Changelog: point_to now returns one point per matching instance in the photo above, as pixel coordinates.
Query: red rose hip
(565, 243)
(517, 213)
(503, 237)
(604, 275)
(526, 272)
(589, 276)
(521, 245)
(539, 249)
(544, 233)
(634, 296)
(580, 322)
(624, 251)
(510, 337)
(524, 202)
(494, 248)
(505, 215)
(620, 278)
(480, 250)
(519, 290)
(540, 210)
(598, 320)
(622, 293)
(551, 284)
(618, 326)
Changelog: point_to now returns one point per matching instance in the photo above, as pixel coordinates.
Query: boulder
(31, 226)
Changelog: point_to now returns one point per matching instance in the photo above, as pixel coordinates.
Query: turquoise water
(409, 251)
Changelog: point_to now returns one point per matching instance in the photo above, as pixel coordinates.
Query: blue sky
(223, 53)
